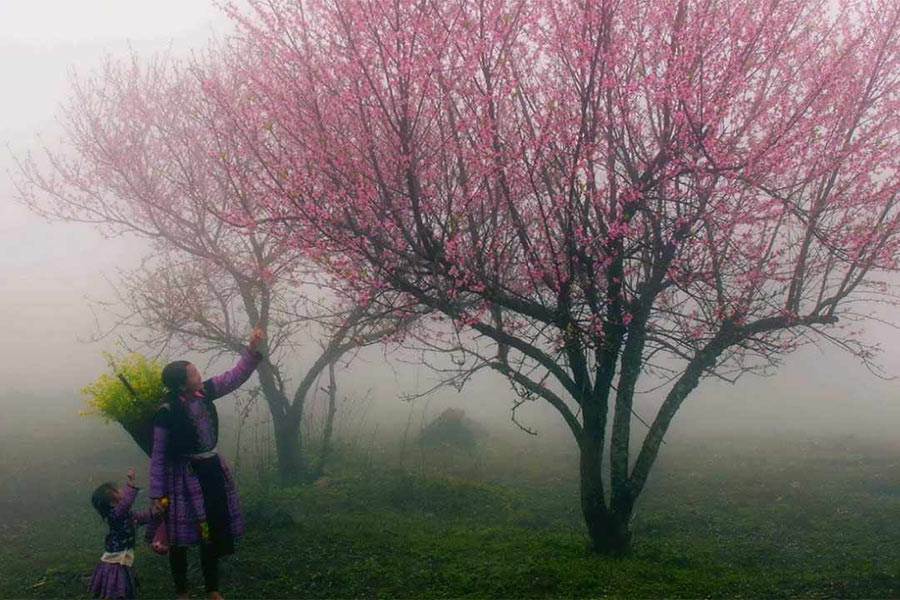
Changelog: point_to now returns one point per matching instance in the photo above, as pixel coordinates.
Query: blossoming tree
(145, 152)
(604, 191)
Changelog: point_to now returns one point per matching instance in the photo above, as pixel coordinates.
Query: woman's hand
(256, 338)
(130, 475)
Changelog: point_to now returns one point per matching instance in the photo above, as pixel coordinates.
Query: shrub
(452, 428)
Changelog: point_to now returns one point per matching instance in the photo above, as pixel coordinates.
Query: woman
(201, 508)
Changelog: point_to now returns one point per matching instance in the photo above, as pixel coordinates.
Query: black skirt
(212, 483)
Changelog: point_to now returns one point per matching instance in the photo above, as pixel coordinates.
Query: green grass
(720, 518)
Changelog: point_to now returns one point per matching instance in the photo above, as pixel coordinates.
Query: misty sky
(47, 270)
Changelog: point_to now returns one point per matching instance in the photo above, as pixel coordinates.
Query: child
(114, 577)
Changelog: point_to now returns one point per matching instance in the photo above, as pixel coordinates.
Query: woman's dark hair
(174, 375)
(183, 432)
(104, 498)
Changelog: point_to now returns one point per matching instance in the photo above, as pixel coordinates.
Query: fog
(55, 277)
(50, 272)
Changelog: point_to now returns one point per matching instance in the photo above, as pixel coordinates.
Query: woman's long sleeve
(227, 382)
(157, 461)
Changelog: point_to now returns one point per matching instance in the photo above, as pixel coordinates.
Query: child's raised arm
(129, 493)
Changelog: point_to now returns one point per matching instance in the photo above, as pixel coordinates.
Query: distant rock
(452, 429)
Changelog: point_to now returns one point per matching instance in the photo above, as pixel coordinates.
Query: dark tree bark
(291, 468)
(329, 422)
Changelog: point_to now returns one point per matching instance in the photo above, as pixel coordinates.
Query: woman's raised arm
(227, 382)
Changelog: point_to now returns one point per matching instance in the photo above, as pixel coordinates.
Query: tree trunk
(286, 423)
(329, 422)
(289, 450)
(608, 529)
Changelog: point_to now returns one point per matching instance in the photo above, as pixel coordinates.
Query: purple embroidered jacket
(121, 521)
(206, 426)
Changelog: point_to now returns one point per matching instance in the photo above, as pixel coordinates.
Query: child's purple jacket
(121, 521)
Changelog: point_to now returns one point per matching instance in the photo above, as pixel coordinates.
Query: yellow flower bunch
(108, 396)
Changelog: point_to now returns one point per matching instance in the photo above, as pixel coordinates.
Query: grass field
(749, 517)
